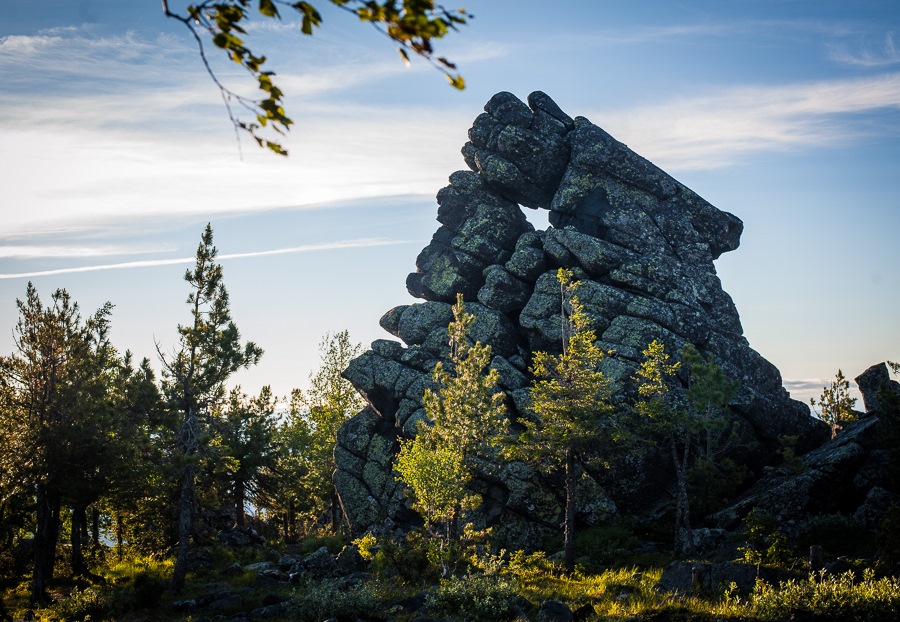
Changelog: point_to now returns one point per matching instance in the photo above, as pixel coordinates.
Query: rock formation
(643, 246)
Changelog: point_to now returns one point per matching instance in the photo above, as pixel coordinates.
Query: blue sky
(115, 151)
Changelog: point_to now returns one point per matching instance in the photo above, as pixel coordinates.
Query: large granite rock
(642, 245)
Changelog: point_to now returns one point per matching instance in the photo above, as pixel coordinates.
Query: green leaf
(267, 8)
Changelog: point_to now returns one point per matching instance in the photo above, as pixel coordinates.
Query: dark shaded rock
(873, 382)
(825, 484)
(274, 610)
(641, 244)
(503, 291)
(349, 560)
(555, 611)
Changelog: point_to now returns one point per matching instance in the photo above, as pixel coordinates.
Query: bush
(829, 597)
(319, 601)
(481, 598)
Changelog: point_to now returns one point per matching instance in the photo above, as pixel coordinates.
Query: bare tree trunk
(684, 537)
(569, 529)
(45, 538)
(95, 528)
(79, 567)
(335, 511)
(185, 526)
(239, 502)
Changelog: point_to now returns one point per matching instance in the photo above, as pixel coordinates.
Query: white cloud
(866, 55)
(341, 245)
(716, 130)
(71, 251)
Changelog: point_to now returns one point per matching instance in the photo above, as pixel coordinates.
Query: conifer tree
(570, 400)
(194, 376)
(53, 418)
(245, 446)
(835, 404)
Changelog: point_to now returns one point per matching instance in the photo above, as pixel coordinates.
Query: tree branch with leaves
(410, 24)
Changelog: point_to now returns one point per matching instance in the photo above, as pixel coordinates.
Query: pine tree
(52, 417)
(194, 377)
(835, 404)
(694, 424)
(245, 446)
(570, 400)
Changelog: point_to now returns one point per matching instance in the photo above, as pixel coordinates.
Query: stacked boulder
(642, 245)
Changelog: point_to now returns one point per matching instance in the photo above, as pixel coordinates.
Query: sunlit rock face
(643, 246)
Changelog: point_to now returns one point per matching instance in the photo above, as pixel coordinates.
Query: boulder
(643, 247)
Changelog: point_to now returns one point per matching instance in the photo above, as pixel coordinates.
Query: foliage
(764, 544)
(570, 401)
(835, 404)
(245, 447)
(694, 424)
(194, 377)
(474, 597)
(315, 601)
(829, 597)
(411, 24)
(55, 419)
(311, 431)
(438, 464)
(607, 545)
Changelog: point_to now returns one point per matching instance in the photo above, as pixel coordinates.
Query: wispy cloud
(71, 251)
(716, 130)
(341, 245)
(885, 54)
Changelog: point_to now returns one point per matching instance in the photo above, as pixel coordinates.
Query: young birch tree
(439, 463)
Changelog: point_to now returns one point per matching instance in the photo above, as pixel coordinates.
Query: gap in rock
(539, 218)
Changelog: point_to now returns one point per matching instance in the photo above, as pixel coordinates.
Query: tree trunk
(239, 502)
(335, 511)
(185, 526)
(45, 538)
(569, 529)
(290, 528)
(79, 567)
(95, 528)
(120, 536)
(684, 537)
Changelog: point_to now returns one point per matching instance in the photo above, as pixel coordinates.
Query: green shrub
(829, 597)
(317, 601)
(481, 598)
(765, 544)
(87, 604)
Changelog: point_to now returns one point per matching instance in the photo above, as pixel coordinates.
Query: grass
(493, 588)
